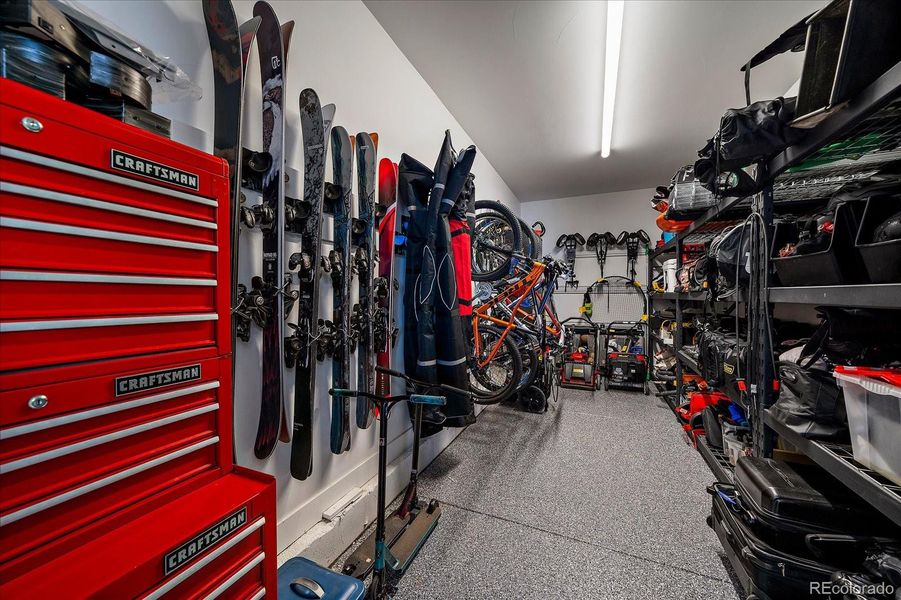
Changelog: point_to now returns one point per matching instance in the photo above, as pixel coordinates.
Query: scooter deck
(361, 561)
(412, 539)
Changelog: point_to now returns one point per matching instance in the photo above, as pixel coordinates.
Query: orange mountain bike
(512, 329)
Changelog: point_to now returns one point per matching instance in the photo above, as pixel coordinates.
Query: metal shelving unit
(867, 130)
(684, 296)
(884, 295)
(883, 494)
(864, 132)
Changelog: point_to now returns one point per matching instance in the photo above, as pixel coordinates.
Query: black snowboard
(315, 123)
(271, 287)
(339, 258)
(363, 236)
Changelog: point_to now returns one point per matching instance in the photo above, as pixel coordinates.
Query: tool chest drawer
(113, 241)
(75, 450)
(26, 344)
(216, 541)
(48, 294)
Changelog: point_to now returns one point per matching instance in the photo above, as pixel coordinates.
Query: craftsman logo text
(154, 170)
(199, 543)
(148, 381)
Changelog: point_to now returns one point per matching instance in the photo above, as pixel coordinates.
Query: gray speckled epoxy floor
(597, 498)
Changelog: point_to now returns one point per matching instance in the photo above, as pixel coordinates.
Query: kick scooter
(390, 550)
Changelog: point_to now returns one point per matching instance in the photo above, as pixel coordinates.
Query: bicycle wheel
(496, 237)
(497, 380)
(531, 245)
(533, 399)
(529, 353)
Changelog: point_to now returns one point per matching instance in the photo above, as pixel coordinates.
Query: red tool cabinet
(115, 376)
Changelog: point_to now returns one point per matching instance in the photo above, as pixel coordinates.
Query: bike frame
(512, 299)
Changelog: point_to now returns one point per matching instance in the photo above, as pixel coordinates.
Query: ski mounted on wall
(362, 240)
(271, 290)
(229, 48)
(307, 345)
(339, 258)
(384, 326)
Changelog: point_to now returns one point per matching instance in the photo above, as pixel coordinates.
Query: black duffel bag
(860, 336)
(710, 357)
(746, 135)
(722, 357)
(811, 403)
(735, 369)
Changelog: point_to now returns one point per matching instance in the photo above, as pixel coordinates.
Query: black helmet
(888, 230)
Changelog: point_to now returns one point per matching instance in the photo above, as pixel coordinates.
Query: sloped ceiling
(525, 81)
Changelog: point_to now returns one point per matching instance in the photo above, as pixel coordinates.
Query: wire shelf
(716, 460)
(877, 137)
(843, 452)
(838, 460)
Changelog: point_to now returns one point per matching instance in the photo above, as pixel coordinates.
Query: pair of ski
(354, 246)
(270, 299)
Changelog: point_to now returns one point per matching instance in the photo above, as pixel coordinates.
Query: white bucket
(669, 275)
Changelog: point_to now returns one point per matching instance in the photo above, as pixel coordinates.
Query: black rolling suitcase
(765, 572)
(802, 510)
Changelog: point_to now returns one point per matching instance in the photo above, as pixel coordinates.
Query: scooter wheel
(433, 506)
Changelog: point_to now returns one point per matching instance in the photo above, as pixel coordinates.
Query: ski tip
(375, 139)
(328, 113)
(287, 29)
(250, 27)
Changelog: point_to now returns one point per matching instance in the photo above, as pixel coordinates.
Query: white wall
(615, 212)
(341, 51)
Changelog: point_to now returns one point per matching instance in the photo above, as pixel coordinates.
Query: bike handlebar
(424, 384)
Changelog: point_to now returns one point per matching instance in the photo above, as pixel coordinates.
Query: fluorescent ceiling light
(615, 9)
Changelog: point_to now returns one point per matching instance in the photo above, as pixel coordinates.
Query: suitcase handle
(307, 588)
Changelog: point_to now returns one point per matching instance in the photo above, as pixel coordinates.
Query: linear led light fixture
(615, 9)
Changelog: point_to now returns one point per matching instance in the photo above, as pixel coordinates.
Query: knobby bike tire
(531, 245)
(506, 215)
(495, 394)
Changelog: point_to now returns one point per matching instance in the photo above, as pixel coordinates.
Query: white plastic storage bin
(873, 402)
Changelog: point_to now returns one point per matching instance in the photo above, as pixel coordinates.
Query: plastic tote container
(873, 403)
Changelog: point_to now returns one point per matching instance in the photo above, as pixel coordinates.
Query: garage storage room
(450, 299)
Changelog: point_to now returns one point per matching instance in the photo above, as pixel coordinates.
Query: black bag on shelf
(735, 370)
(710, 356)
(864, 336)
(722, 357)
(730, 250)
(811, 403)
(746, 135)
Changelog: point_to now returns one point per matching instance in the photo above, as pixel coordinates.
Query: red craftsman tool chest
(116, 464)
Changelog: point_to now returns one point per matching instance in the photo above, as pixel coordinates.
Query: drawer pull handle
(31, 124)
(39, 401)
